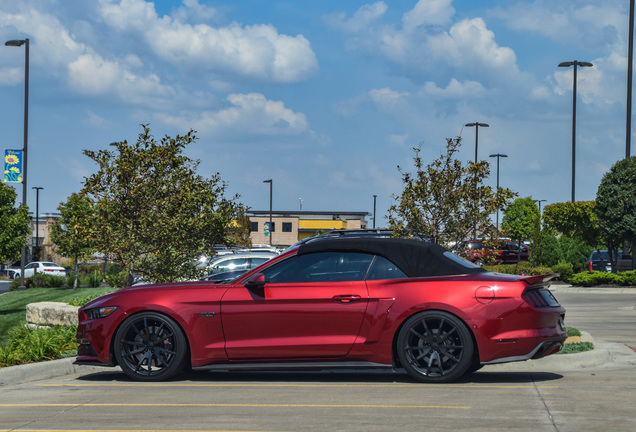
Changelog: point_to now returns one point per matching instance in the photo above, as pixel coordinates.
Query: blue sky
(324, 97)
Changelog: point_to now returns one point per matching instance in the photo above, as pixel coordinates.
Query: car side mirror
(256, 284)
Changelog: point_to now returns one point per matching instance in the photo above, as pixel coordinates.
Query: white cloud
(386, 98)
(454, 89)
(361, 20)
(428, 12)
(249, 113)
(256, 51)
(91, 74)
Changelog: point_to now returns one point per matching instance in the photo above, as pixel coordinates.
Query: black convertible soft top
(415, 258)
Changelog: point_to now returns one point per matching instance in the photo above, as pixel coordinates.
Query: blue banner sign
(12, 166)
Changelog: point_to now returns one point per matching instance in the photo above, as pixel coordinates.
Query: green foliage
(116, 276)
(520, 218)
(564, 269)
(594, 278)
(444, 200)
(573, 348)
(616, 204)
(15, 225)
(151, 212)
(571, 331)
(521, 268)
(575, 220)
(27, 345)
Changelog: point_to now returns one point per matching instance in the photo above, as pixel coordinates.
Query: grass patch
(573, 348)
(576, 347)
(27, 345)
(13, 304)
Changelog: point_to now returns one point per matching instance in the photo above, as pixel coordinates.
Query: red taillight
(540, 298)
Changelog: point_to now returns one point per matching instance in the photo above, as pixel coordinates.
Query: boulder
(45, 314)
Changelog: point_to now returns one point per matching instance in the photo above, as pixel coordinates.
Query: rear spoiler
(540, 279)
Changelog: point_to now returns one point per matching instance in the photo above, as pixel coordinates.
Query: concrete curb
(43, 370)
(555, 363)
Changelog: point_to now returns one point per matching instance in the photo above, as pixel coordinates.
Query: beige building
(292, 226)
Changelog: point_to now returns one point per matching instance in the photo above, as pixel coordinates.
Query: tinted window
(230, 265)
(382, 268)
(320, 267)
(287, 227)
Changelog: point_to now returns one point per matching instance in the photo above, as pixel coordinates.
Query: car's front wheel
(435, 347)
(150, 347)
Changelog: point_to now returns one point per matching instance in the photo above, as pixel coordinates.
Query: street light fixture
(539, 202)
(18, 43)
(576, 64)
(498, 155)
(270, 208)
(476, 125)
(36, 254)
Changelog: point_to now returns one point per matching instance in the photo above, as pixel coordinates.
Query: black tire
(150, 346)
(435, 347)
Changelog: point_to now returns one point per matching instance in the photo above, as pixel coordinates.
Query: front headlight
(101, 312)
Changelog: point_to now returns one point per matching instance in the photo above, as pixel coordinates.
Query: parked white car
(45, 267)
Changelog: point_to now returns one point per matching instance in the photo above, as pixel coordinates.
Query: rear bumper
(545, 348)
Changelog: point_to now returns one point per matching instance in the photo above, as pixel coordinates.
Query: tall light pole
(476, 125)
(576, 64)
(539, 202)
(36, 255)
(374, 198)
(630, 57)
(498, 155)
(18, 43)
(270, 209)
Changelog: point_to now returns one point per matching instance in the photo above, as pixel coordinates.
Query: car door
(311, 306)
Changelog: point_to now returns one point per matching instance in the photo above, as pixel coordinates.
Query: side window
(320, 267)
(382, 268)
(230, 265)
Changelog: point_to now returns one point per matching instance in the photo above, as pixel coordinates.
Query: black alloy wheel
(435, 347)
(150, 346)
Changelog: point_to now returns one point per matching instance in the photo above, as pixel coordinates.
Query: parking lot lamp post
(374, 198)
(476, 125)
(36, 254)
(18, 43)
(270, 209)
(539, 202)
(576, 64)
(498, 155)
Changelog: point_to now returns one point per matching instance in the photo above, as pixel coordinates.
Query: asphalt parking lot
(580, 392)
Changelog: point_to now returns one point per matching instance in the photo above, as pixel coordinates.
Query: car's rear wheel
(435, 347)
(150, 347)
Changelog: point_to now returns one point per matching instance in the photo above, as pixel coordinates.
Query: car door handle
(346, 298)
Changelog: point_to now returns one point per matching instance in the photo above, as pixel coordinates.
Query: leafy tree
(446, 201)
(616, 204)
(152, 212)
(574, 219)
(71, 233)
(14, 223)
(241, 228)
(520, 218)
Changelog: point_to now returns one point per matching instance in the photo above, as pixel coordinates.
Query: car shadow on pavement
(328, 376)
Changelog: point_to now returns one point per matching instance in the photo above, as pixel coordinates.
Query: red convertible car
(329, 302)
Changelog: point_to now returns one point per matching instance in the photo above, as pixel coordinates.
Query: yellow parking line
(417, 386)
(226, 405)
(119, 430)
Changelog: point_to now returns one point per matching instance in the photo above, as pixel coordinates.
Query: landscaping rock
(46, 314)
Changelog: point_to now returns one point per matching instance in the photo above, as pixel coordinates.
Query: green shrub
(594, 278)
(573, 348)
(522, 268)
(91, 280)
(116, 276)
(565, 269)
(571, 331)
(27, 345)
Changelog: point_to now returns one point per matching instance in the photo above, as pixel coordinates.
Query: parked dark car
(601, 262)
(330, 302)
(494, 251)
